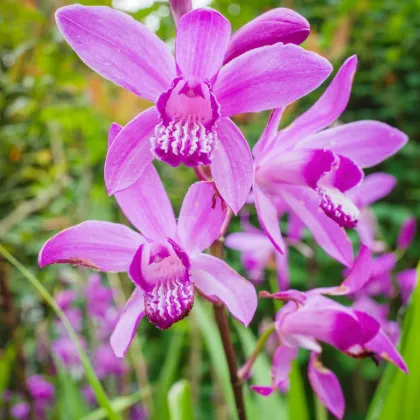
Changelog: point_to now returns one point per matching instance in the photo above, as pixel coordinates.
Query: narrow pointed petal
(119, 48)
(277, 25)
(128, 321)
(373, 188)
(267, 215)
(202, 39)
(283, 275)
(179, 8)
(146, 205)
(248, 241)
(269, 77)
(407, 280)
(113, 132)
(102, 246)
(129, 154)
(407, 233)
(265, 391)
(328, 107)
(326, 386)
(201, 218)
(269, 133)
(232, 165)
(367, 142)
(330, 237)
(218, 282)
(282, 364)
(366, 227)
(296, 227)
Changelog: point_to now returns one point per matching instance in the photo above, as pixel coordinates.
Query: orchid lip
(186, 134)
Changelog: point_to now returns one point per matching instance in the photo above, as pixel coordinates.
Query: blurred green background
(54, 118)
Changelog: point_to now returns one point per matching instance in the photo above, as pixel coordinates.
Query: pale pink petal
(232, 165)
(282, 263)
(407, 233)
(326, 386)
(202, 39)
(373, 188)
(102, 246)
(282, 364)
(126, 327)
(269, 133)
(119, 48)
(407, 281)
(201, 218)
(366, 228)
(269, 77)
(129, 154)
(113, 132)
(326, 110)
(296, 227)
(248, 241)
(179, 8)
(218, 282)
(367, 142)
(331, 237)
(146, 205)
(267, 215)
(277, 25)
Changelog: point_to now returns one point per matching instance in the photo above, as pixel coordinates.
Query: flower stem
(100, 394)
(222, 323)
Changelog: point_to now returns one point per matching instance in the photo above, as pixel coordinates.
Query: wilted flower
(194, 94)
(313, 170)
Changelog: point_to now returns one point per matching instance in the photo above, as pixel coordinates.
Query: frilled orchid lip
(162, 270)
(186, 134)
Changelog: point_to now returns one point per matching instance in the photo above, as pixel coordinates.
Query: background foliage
(54, 118)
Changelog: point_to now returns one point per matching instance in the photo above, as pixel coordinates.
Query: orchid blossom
(165, 263)
(407, 233)
(310, 318)
(312, 170)
(194, 94)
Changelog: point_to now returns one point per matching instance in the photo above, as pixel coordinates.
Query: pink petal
(102, 246)
(269, 77)
(282, 364)
(201, 218)
(332, 239)
(267, 215)
(282, 263)
(277, 25)
(146, 205)
(407, 281)
(119, 48)
(218, 282)
(326, 386)
(348, 175)
(326, 110)
(296, 227)
(366, 227)
(265, 391)
(248, 241)
(126, 327)
(179, 8)
(232, 165)
(369, 324)
(269, 133)
(407, 233)
(367, 143)
(373, 188)
(113, 132)
(129, 154)
(202, 39)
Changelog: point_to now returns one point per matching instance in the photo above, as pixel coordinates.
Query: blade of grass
(180, 401)
(94, 382)
(298, 406)
(6, 363)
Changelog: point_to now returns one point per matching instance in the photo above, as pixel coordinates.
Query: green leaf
(6, 363)
(168, 375)
(298, 406)
(180, 401)
(398, 394)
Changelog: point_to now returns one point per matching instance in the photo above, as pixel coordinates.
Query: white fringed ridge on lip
(338, 207)
(187, 131)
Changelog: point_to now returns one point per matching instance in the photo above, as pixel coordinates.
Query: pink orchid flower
(312, 169)
(165, 263)
(194, 94)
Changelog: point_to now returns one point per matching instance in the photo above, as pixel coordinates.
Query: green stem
(94, 382)
(320, 410)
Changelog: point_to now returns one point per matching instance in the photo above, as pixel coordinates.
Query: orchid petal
(366, 226)
(179, 8)
(119, 48)
(269, 132)
(277, 25)
(248, 241)
(326, 110)
(267, 215)
(282, 263)
(129, 154)
(269, 77)
(102, 246)
(126, 327)
(296, 227)
(367, 142)
(326, 386)
(232, 165)
(202, 39)
(407, 280)
(282, 364)
(333, 239)
(407, 233)
(373, 188)
(370, 325)
(265, 391)
(113, 132)
(201, 218)
(348, 175)
(218, 282)
(146, 205)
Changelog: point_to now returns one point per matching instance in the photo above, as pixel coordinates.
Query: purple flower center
(168, 289)
(187, 133)
(338, 207)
